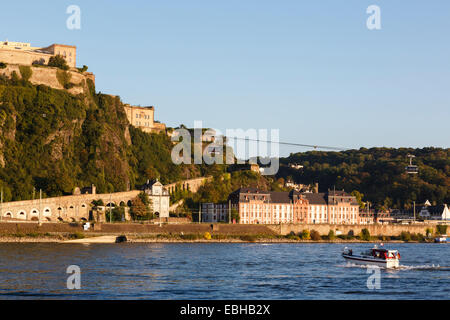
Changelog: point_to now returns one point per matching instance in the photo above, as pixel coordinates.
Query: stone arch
(83, 205)
(83, 219)
(113, 205)
(8, 214)
(22, 215)
(129, 203)
(60, 219)
(48, 219)
(157, 214)
(122, 204)
(47, 211)
(34, 213)
(34, 218)
(72, 219)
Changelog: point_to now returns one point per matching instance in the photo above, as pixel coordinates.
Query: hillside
(55, 141)
(378, 173)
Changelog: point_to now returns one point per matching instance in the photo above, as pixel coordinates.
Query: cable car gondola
(411, 168)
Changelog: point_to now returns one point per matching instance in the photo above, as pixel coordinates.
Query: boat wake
(424, 267)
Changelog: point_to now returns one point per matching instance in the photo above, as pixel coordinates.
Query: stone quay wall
(374, 229)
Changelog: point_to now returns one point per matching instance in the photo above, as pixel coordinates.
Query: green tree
(441, 229)
(305, 235)
(359, 198)
(331, 235)
(117, 214)
(315, 235)
(140, 207)
(58, 61)
(25, 72)
(365, 234)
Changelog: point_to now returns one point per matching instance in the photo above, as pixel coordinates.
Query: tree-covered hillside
(378, 173)
(55, 141)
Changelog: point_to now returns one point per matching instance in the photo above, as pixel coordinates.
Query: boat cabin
(385, 254)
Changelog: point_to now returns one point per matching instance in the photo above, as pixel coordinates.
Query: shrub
(305, 235)
(315, 235)
(429, 232)
(249, 237)
(220, 236)
(2, 65)
(441, 229)
(84, 69)
(418, 237)
(364, 235)
(331, 235)
(207, 236)
(405, 236)
(33, 234)
(76, 235)
(292, 236)
(25, 72)
(58, 61)
(64, 78)
(190, 236)
(19, 235)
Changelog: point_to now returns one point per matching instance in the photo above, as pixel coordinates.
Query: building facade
(333, 207)
(159, 197)
(144, 119)
(267, 207)
(24, 54)
(439, 212)
(214, 212)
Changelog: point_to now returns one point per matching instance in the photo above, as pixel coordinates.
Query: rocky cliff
(56, 136)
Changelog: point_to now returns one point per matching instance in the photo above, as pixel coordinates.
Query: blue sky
(309, 68)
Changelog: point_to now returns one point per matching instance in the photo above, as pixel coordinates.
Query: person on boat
(350, 252)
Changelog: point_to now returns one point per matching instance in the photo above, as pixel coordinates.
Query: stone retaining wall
(374, 229)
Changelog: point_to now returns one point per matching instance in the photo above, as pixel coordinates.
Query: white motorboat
(441, 239)
(377, 256)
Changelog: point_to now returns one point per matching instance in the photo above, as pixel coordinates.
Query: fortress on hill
(23, 53)
(16, 54)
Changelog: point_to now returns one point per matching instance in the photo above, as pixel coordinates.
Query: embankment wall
(374, 229)
(226, 229)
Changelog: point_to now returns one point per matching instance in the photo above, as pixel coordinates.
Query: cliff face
(55, 141)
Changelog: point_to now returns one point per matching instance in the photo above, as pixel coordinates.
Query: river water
(218, 271)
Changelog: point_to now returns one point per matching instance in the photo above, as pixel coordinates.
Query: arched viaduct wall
(77, 207)
(67, 208)
(191, 184)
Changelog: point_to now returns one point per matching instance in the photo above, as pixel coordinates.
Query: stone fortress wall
(23, 53)
(48, 76)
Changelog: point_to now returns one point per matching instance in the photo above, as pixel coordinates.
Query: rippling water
(217, 271)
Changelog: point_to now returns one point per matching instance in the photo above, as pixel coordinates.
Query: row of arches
(23, 215)
(69, 213)
(178, 187)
